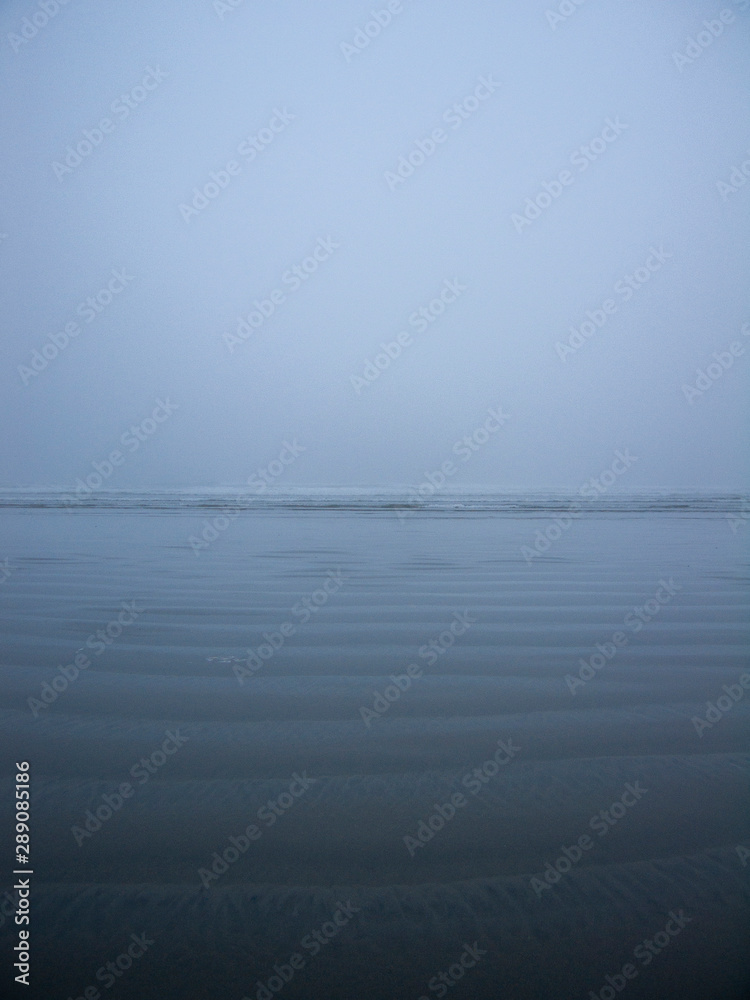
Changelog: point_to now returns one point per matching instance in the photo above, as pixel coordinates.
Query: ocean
(366, 745)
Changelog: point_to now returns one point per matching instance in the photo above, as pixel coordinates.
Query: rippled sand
(341, 841)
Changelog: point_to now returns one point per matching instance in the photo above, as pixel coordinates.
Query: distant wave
(376, 499)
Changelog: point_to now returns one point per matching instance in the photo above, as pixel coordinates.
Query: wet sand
(415, 816)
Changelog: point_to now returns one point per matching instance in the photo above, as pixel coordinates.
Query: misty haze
(374, 500)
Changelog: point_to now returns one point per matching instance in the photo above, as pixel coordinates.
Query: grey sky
(202, 80)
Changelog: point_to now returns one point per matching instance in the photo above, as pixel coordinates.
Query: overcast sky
(305, 113)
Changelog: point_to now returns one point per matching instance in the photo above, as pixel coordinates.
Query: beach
(366, 748)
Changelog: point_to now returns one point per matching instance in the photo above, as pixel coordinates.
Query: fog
(255, 197)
